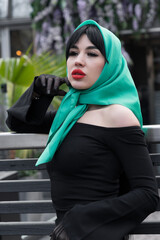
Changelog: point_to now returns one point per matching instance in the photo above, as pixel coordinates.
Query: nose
(80, 61)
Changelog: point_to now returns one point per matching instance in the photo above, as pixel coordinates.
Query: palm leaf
(21, 71)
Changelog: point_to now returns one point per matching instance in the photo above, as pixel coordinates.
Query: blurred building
(15, 27)
(144, 49)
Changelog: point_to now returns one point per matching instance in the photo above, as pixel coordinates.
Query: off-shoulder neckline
(108, 128)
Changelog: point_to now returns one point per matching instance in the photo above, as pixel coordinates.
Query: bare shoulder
(120, 116)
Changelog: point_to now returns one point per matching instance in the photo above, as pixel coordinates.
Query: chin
(78, 86)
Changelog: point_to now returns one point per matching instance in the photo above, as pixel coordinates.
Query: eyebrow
(89, 47)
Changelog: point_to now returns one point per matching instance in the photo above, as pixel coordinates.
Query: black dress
(102, 181)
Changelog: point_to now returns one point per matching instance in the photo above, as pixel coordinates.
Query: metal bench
(10, 141)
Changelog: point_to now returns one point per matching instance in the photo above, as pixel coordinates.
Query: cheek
(98, 70)
(101, 66)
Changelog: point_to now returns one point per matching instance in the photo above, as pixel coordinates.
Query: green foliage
(20, 72)
(26, 173)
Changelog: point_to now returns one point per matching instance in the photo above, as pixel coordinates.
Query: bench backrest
(10, 141)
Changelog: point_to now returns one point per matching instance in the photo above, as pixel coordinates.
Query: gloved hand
(49, 85)
(59, 233)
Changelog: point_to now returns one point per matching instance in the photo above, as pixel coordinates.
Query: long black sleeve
(29, 115)
(113, 218)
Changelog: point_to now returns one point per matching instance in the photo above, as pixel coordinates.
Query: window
(3, 8)
(21, 8)
(20, 40)
(15, 35)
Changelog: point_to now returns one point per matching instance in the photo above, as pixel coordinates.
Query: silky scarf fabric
(114, 86)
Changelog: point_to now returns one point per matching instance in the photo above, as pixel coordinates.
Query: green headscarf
(114, 86)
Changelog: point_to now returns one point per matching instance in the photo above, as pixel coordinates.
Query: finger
(56, 83)
(37, 81)
(49, 84)
(65, 80)
(43, 80)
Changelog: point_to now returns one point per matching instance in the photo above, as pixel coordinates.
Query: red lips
(78, 74)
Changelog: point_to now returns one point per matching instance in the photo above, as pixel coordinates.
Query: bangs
(93, 34)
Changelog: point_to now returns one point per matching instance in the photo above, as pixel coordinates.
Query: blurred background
(33, 34)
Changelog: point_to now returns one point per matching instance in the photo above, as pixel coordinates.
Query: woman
(102, 181)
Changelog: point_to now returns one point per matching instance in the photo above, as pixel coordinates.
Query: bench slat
(155, 159)
(158, 181)
(20, 164)
(26, 228)
(38, 185)
(147, 228)
(29, 164)
(45, 228)
(39, 206)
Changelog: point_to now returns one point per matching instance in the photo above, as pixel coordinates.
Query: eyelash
(92, 54)
(73, 53)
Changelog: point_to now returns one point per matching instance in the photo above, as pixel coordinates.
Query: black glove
(59, 233)
(49, 85)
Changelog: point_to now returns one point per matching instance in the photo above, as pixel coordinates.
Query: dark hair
(94, 35)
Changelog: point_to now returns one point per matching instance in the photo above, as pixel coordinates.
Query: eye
(92, 54)
(73, 53)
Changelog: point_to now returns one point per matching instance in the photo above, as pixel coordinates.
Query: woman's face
(84, 64)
